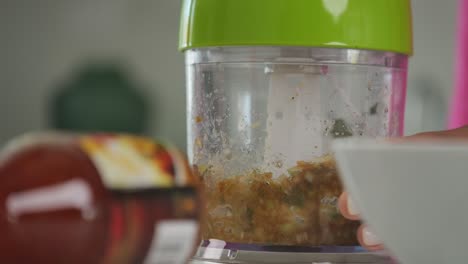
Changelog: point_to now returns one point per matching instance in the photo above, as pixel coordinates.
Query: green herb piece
(373, 109)
(295, 171)
(335, 215)
(296, 198)
(340, 129)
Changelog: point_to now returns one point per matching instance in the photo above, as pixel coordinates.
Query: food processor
(269, 85)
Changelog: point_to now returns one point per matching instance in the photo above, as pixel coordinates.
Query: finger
(347, 207)
(368, 239)
(458, 133)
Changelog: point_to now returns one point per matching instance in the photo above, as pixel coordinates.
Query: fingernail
(352, 209)
(369, 238)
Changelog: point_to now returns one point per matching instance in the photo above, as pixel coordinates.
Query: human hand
(348, 208)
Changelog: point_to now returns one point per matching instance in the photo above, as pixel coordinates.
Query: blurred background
(51, 49)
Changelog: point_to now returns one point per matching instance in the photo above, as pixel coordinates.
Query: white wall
(41, 41)
(431, 67)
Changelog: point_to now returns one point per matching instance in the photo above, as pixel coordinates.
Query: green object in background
(356, 24)
(99, 98)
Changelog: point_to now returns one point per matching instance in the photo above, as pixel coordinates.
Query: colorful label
(129, 162)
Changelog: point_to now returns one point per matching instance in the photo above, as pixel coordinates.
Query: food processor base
(227, 256)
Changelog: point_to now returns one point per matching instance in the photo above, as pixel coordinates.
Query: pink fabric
(459, 107)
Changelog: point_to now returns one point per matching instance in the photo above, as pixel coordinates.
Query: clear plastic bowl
(260, 123)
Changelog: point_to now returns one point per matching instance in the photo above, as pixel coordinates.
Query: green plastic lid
(358, 24)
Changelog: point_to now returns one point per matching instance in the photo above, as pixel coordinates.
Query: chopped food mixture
(299, 208)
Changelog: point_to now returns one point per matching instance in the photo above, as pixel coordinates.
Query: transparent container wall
(260, 121)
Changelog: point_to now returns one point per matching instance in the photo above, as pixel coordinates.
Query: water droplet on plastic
(268, 69)
(278, 164)
(232, 254)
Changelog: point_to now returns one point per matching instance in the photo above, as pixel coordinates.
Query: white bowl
(413, 196)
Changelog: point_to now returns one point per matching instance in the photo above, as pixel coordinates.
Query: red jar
(95, 199)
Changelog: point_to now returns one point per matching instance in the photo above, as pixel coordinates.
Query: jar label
(173, 242)
(130, 162)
